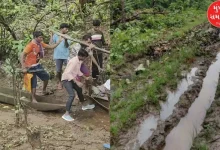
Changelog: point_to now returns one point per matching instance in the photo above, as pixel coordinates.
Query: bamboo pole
(75, 40)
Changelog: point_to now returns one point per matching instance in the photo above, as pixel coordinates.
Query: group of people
(79, 61)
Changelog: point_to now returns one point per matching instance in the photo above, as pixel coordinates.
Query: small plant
(200, 146)
(208, 131)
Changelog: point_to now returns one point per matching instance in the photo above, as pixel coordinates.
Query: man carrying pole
(61, 53)
(30, 61)
(99, 41)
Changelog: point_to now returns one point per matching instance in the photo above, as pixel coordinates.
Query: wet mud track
(209, 137)
(154, 127)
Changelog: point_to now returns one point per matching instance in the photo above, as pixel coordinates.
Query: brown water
(173, 97)
(147, 127)
(145, 131)
(181, 137)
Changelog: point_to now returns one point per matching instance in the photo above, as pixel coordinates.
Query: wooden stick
(100, 104)
(214, 140)
(69, 38)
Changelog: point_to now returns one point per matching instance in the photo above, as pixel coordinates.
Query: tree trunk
(123, 11)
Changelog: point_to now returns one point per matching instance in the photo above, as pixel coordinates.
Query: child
(71, 81)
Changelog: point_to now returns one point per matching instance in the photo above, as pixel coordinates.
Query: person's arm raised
(54, 45)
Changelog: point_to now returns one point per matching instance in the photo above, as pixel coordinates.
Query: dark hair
(37, 34)
(96, 22)
(83, 53)
(64, 25)
(86, 37)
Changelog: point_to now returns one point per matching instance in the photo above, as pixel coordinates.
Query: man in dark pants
(71, 82)
(99, 41)
(61, 53)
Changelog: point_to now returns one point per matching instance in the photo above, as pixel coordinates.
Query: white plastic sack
(107, 84)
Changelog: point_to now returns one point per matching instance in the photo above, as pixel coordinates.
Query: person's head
(96, 23)
(38, 36)
(87, 38)
(82, 54)
(64, 27)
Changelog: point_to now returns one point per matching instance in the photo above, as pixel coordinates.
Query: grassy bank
(140, 34)
(129, 99)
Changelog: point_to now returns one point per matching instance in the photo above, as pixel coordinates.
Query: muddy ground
(89, 130)
(209, 137)
(157, 139)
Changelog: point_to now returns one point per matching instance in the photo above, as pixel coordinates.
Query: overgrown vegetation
(135, 35)
(153, 22)
(18, 20)
(165, 74)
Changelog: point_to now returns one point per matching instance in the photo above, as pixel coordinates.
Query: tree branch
(123, 11)
(7, 27)
(38, 21)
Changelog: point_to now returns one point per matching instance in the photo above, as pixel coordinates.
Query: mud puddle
(181, 137)
(209, 137)
(173, 97)
(149, 124)
(145, 131)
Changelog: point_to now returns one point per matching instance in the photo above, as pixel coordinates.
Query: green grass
(208, 131)
(201, 147)
(127, 100)
(163, 76)
(134, 41)
(200, 143)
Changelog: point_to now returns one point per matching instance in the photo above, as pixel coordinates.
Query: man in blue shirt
(61, 53)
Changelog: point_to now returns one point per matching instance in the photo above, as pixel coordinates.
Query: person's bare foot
(34, 100)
